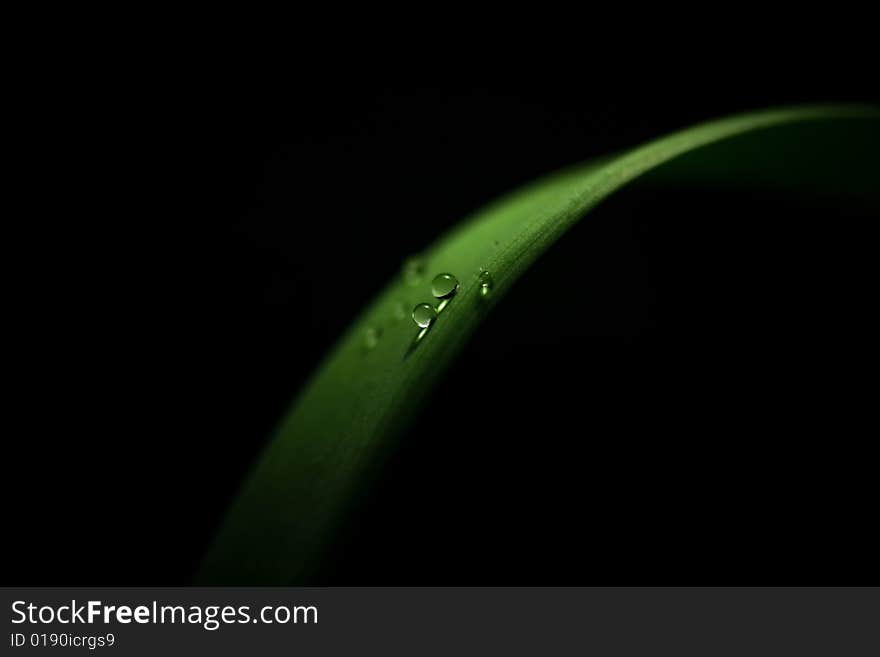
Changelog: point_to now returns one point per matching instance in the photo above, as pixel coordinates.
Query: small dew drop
(444, 286)
(413, 270)
(486, 284)
(424, 315)
(371, 337)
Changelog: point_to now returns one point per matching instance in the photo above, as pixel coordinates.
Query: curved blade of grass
(360, 400)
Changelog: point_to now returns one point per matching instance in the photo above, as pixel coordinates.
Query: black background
(696, 417)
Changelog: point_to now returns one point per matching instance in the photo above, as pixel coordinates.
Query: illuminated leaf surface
(334, 439)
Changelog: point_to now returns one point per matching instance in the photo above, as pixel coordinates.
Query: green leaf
(360, 400)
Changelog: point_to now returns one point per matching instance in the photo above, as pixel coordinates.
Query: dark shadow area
(670, 397)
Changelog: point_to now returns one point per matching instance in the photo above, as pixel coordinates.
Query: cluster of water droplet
(444, 287)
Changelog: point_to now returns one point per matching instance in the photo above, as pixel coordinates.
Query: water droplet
(413, 270)
(371, 337)
(444, 286)
(486, 284)
(424, 315)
